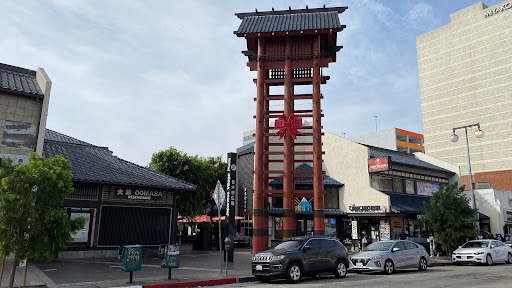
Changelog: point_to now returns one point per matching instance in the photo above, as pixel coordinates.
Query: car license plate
(359, 264)
(259, 267)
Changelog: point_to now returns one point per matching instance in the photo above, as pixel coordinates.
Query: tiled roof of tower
(328, 181)
(289, 22)
(19, 80)
(405, 159)
(98, 164)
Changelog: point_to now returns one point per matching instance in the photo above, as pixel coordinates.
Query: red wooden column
(318, 186)
(259, 225)
(266, 146)
(288, 182)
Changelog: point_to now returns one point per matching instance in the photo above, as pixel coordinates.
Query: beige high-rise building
(465, 75)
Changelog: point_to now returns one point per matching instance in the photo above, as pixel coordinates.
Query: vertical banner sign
(231, 197)
(354, 230)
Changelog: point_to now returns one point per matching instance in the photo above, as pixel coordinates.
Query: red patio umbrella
(202, 218)
(216, 218)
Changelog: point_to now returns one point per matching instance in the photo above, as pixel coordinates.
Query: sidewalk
(35, 278)
(106, 272)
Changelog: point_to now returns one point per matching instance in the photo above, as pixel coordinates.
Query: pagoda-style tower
(288, 48)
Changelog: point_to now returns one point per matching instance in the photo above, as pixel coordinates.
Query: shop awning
(407, 203)
(482, 216)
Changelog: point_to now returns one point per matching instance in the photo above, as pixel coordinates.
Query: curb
(209, 282)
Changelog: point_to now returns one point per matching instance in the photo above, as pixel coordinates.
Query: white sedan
(482, 251)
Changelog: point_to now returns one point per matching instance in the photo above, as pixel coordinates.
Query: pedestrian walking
(432, 243)
(364, 240)
(403, 235)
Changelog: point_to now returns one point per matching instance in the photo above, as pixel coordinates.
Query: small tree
(450, 216)
(203, 172)
(33, 221)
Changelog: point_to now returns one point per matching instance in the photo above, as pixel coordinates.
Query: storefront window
(279, 227)
(417, 230)
(426, 189)
(387, 184)
(398, 185)
(409, 186)
(277, 202)
(330, 227)
(382, 183)
(332, 198)
(377, 182)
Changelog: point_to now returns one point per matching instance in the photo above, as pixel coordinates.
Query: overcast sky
(140, 76)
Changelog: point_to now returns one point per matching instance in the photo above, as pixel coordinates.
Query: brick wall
(501, 180)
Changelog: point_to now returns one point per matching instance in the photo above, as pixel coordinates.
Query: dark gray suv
(299, 256)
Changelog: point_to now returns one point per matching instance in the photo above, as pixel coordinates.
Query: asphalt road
(497, 276)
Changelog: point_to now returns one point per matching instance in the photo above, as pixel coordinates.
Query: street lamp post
(454, 138)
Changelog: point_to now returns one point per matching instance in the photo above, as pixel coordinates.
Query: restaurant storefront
(384, 191)
(123, 203)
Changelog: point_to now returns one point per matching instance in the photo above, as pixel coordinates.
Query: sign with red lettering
(379, 164)
(291, 125)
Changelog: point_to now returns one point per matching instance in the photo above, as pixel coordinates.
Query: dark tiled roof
(407, 203)
(98, 164)
(279, 211)
(290, 22)
(19, 80)
(56, 136)
(246, 149)
(405, 159)
(328, 181)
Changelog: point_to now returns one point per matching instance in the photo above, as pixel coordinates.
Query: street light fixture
(454, 138)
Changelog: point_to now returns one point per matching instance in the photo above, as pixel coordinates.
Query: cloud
(145, 75)
(419, 13)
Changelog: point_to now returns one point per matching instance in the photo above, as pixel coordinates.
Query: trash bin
(195, 244)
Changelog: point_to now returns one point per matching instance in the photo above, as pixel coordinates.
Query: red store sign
(379, 164)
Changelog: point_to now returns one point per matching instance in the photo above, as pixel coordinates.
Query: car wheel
(294, 273)
(389, 267)
(509, 258)
(423, 265)
(488, 260)
(341, 269)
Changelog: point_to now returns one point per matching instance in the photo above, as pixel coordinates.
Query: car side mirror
(492, 246)
(305, 248)
(395, 249)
